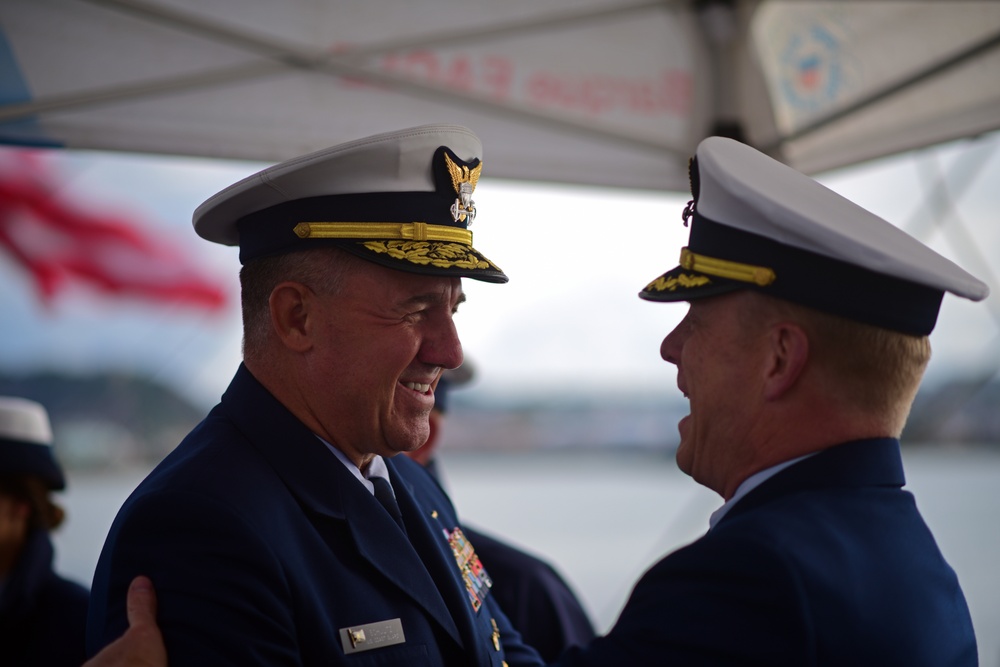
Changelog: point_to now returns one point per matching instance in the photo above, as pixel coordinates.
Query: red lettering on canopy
(667, 92)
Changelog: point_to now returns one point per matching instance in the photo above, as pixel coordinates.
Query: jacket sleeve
(517, 653)
(707, 607)
(222, 599)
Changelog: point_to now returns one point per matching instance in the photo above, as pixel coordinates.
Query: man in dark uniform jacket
(537, 600)
(802, 349)
(282, 531)
(42, 615)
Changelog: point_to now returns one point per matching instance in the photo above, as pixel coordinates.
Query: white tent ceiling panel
(606, 92)
(886, 76)
(961, 105)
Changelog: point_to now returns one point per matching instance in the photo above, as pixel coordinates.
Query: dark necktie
(383, 493)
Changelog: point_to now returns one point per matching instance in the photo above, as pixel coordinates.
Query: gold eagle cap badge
(464, 180)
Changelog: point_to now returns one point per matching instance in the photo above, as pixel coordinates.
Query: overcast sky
(570, 318)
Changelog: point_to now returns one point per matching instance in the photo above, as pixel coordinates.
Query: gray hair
(321, 269)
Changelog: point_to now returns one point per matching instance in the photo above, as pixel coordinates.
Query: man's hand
(142, 644)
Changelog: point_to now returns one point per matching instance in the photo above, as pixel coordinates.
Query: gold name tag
(357, 638)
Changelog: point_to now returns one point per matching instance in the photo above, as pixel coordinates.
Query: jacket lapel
(425, 525)
(390, 551)
(325, 487)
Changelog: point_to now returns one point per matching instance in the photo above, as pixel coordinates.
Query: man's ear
(789, 347)
(291, 307)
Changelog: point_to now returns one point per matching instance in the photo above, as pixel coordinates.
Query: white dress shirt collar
(748, 485)
(376, 468)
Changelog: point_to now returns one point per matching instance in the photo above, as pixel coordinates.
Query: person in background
(801, 352)
(536, 599)
(42, 615)
(285, 529)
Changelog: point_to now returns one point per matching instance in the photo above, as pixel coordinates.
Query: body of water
(602, 518)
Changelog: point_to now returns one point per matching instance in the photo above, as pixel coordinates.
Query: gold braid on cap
(683, 280)
(441, 255)
(411, 231)
(722, 268)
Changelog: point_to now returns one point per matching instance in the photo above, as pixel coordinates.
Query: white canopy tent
(602, 92)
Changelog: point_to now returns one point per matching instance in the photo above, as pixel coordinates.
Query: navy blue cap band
(810, 279)
(271, 230)
(19, 457)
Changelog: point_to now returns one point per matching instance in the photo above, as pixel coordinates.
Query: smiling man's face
(380, 344)
(718, 354)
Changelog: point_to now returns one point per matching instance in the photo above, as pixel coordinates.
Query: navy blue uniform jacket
(262, 546)
(536, 599)
(828, 563)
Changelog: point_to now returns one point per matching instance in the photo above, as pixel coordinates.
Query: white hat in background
(26, 442)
